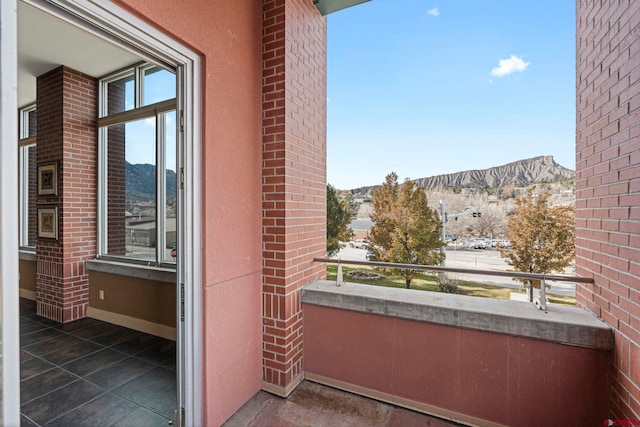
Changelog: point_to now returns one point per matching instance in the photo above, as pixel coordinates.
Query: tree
(338, 219)
(492, 220)
(542, 237)
(406, 230)
(384, 201)
(350, 204)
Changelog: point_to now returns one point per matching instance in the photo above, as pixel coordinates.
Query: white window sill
(158, 274)
(26, 254)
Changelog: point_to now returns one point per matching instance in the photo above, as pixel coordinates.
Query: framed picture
(48, 222)
(48, 179)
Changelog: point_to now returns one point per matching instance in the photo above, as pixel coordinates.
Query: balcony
(473, 361)
(372, 356)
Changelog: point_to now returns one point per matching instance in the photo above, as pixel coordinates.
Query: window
(27, 176)
(137, 166)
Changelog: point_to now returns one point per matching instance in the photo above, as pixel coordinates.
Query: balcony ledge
(560, 324)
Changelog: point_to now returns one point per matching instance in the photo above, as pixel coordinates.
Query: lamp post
(443, 220)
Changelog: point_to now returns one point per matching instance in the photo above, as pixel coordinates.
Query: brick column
(66, 120)
(608, 184)
(116, 173)
(33, 197)
(293, 177)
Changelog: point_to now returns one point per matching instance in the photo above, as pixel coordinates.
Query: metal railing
(543, 277)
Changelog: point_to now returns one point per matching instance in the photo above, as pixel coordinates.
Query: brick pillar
(33, 197)
(608, 184)
(116, 189)
(293, 177)
(116, 172)
(66, 111)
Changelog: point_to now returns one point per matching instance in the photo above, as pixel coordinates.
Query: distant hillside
(141, 182)
(523, 172)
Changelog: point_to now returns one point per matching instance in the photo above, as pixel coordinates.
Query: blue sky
(140, 146)
(424, 88)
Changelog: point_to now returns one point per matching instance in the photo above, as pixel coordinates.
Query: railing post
(339, 277)
(543, 295)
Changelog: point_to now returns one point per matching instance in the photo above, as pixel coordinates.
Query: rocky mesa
(520, 173)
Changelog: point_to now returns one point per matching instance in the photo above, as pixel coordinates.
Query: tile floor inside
(93, 373)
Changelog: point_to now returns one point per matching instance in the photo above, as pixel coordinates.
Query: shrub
(363, 275)
(448, 283)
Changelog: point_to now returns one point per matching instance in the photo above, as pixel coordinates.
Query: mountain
(141, 182)
(520, 173)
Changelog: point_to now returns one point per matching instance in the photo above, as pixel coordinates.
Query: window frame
(25, 142)
(138, 112)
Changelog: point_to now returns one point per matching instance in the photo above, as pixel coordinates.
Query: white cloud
(508, 66)
(434, 12)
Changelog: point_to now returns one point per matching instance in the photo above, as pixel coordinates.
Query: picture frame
(48, 222)
(48, 179)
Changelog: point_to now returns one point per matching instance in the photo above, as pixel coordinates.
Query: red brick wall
(608, 183)
(32, 213)
(116, 173)
(116, 190)
(50, 134)
(293, 176)
(66, 108)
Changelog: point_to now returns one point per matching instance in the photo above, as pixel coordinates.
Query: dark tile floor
(315, 405)
(93, 373)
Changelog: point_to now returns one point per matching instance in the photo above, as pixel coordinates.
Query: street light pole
(443, 218)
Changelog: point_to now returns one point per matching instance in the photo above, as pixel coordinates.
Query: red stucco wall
(498, 378)
(608, 183)
(228, 34)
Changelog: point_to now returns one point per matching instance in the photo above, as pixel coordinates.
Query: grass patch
(557, 299)
(428, 282)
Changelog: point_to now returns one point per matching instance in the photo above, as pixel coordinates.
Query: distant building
(361, 228)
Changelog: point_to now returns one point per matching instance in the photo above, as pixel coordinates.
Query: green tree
(350, 204)
(406, 230)
(542, 237)
(338, 219)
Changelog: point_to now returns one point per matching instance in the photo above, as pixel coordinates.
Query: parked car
(504, 244)
(359, 243)
(477, 244)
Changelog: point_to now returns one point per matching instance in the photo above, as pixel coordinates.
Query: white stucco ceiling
(46, 42)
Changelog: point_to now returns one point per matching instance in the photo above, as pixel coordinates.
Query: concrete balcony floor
(316, 405)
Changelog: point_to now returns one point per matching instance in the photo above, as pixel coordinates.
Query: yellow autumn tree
(542, 237)
(406, 230)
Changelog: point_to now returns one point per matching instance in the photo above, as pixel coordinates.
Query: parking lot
(481, 259)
